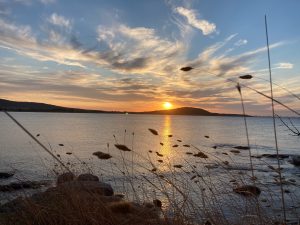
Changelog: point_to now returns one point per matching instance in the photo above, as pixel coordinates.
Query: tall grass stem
(274, 122)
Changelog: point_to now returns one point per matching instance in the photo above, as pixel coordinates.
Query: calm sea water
(83, 134)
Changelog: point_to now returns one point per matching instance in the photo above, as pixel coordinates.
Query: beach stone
(247, 190)
(5, 175)
(65, 177)
(87, 177)
(95, 187)
(296, 160)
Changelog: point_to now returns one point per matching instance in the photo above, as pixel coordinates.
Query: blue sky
(127, 55)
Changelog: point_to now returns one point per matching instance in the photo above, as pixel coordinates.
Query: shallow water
(83, 134)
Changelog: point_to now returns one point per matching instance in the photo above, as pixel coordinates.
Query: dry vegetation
(207, 188)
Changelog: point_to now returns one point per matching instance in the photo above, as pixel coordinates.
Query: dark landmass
(14, 106)
(186, 111)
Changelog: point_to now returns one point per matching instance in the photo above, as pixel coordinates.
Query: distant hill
(187, 111)
(42, 107)
(38, 107)
(181, 111)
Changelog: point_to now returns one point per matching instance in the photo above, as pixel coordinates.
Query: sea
(140, 173)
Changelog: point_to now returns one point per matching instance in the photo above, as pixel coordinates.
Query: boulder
(65, 177)
(247, 190)
(87, 177)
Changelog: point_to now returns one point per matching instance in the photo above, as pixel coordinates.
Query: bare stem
(274, 123)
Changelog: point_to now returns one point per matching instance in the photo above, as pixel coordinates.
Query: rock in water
(247, 190)
(241, 147)
(87, 177)
(5, 175)
(102, 155)
(296, 160)
(65, 177)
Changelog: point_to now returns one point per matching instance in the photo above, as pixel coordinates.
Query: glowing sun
(167, 105)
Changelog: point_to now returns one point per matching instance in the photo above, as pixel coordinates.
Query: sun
(167, 105)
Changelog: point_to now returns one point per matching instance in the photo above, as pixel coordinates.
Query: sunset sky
(127, 54)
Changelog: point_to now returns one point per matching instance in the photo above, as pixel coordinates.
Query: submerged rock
(212, 166)
(247, 190)
(5, 175)
(201, 155)
(235, 151)
(274, 156)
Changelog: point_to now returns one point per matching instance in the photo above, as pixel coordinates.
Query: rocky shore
(82, 199)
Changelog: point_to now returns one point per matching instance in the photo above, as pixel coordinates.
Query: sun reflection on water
(167, 130)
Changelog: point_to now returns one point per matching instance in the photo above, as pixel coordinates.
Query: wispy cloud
(46, 2)
(143, 66)
(241, 42)
(20, 39)
(138, 49)
(58, 20)
(191, 16)
(284, 65)
(9, 32)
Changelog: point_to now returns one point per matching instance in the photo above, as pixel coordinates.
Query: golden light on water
(167, 105)
(166, 132)
(166, 149)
